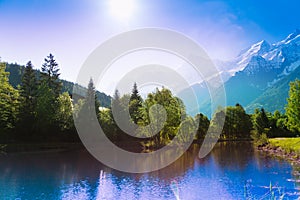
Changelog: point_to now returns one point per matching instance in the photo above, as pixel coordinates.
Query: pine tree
(50, 74)
(48, 92)
(135, 93)
(92, 98)
(28, 97)
(116, 105)
(116, 102)
(293, 107)
(135, 104)
(116, 98)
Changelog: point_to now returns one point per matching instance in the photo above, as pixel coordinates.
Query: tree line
(38, 111)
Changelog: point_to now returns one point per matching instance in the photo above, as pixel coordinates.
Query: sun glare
(122, 9)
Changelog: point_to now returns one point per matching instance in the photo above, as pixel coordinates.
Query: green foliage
(175, 112)
(187, 130)
(107, 124)
(50, 75)
(275, 97)
(9, 102)
(293, 107)
(203, 125)
(259, 138)
(47, 106)
(287, 144)
(45, 109)
(91, 100)
(28, 90)
(64, 115)
(277, 123)
(237, 122)
(135, 104)
(28, 99)
(17, 72)
(260, 121)
(216, 121)
(87, 110)
(40, 109)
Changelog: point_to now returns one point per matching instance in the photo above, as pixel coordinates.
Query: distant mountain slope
(274, 98)
(16, 72)
(261, 77)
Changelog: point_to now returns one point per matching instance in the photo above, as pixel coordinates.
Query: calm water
(231, 171)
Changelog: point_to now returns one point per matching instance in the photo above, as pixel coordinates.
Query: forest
(38, 111)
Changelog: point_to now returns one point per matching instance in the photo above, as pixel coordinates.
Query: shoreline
(24, 148)
(269, 149)
(38, 148)
(280, 153)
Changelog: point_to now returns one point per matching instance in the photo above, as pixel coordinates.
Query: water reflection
(230, 171)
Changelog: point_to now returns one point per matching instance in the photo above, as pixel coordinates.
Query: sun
(122, 9)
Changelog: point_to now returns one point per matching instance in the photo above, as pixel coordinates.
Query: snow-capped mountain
(257, 69)
(283, 56)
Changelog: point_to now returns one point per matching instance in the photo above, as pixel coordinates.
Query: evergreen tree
(293, 107)
(116, 103)
(115, 132)
(28, 97)
(116, 98)
(50, 74)
(135, 93)
(47, 102)
(135, 104)
(92, 98)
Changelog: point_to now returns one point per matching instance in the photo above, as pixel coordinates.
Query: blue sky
(72, 29)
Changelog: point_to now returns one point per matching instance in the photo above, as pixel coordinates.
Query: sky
(72, 29)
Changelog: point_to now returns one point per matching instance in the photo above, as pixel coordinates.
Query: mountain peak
(291, 37)
(257, 48)
(262, 44)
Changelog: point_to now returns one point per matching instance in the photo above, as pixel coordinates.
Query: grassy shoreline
(285, 148)
(287, 144)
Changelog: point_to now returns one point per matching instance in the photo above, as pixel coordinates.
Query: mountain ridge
(256, 71)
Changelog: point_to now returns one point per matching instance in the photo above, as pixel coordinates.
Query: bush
(259, 139)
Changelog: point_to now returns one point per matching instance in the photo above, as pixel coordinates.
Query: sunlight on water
(229, 172)
(76, 191)
(175, 189)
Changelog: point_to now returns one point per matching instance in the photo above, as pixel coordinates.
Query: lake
(230, 171)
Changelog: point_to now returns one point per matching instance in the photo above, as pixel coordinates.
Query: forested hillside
(16, 72)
